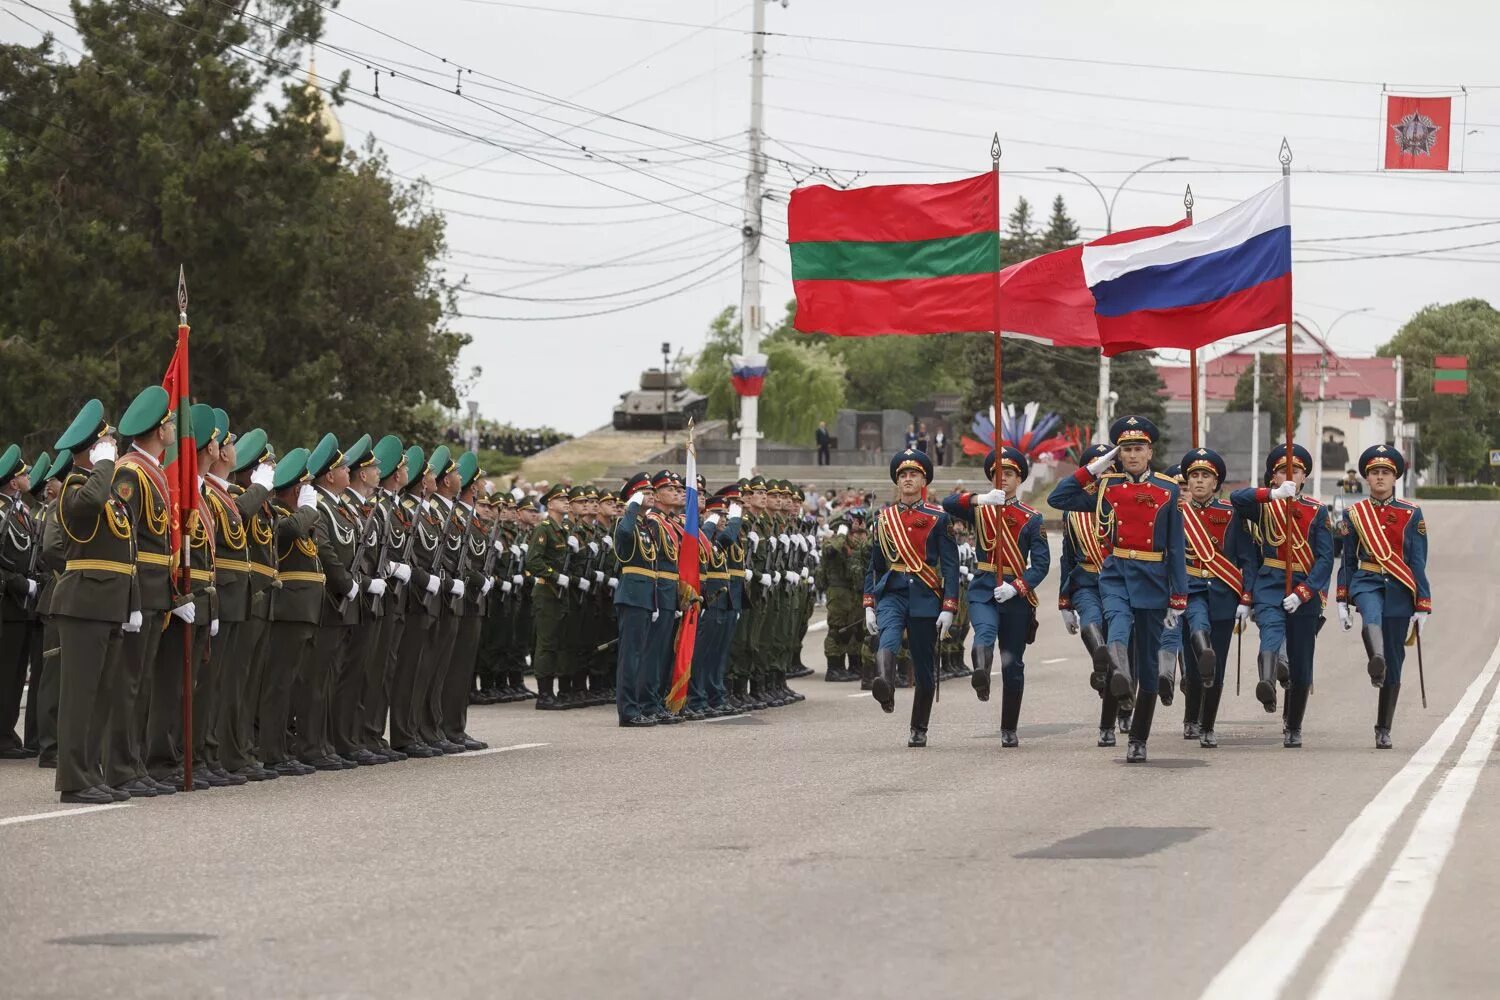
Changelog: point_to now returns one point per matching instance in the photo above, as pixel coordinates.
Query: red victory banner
(1450, 375)
(1417, 132)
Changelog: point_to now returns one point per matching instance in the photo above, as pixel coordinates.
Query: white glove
(432, 584)
(711, 519)
(1097, 466)
(749, 574)
(353, 590)
(1170, 621)
(792, 576)
(375, 586)
(573, 542)
(518, 580)
(400, 571)
(489, 584)
(30, 588)
(525, 546)
(994, 498)
(1070, 621)
(636, 499)
(754, 538)
(944, 622)
(505, 587)
(264, 475)
(1419, 621)
(103, 451)
(186, 612)
(561, 581)
(811, 583)
(1291, 602)
(655, 615)
(1242, 613)
(213, 628)
(515, 550)
(613, 583)
(734, 511)
(1004, 592)
(1285, 490)
(306, 497)
(456, 588)
(134, 624)
(871, 625)
(843, 530)
(583, 585)
(609, 540)
(594, 548)
(1345, 618)
(765, 579)
(784, 539)
(677, 614)
(776, 577)
(598, 576)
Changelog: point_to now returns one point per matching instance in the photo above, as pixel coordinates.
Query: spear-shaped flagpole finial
(182, 298)
(1285, 155)
(995, 150)
(1187, 199)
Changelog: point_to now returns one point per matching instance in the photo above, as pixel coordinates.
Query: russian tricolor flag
(689, 581)
(1195, 285)
(748, 373)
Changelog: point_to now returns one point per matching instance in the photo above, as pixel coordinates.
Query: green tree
(316, 301)
(804, 383)
(1458, 430)
(1062, 231)
(1272, 394)
(1019, 239)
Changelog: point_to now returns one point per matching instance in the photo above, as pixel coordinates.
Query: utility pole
(1255, 426)
(750, 312)
(1398, 431)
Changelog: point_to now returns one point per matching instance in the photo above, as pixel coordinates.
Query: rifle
(381, 554)
(456, 604)
(359, 553)
(489, 559)
(398, 588)
(434, 602)
(31, 600)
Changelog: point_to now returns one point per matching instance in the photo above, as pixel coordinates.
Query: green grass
(1478, 491)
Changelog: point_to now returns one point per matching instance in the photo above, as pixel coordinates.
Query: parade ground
(807, 852)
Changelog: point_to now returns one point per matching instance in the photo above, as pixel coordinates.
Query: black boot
(545, 699)
(1283, 669)
(1207, 716)
(984, 660)
(921, 714)
(1140, 731)
(1108, 712)
(884, 686)
(1010, 714)
(1121, 678)
(1192, 706)
(1202, 649)
(1296, 707)
(1265, 688)
(835, 670)
(1166, 675)
(1098, 650)
(866, 672)
(1385, 715)
(1375, 650)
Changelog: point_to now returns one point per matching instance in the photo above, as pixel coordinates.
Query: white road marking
(818, 626)
(1367, 966)
(859, 694)
(9, 820)
(1261, 969)
(1055, 659)
(490, 750)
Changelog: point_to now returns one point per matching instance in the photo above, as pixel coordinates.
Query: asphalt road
(805, 851)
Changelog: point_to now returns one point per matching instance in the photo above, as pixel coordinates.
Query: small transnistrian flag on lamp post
(1450, 375)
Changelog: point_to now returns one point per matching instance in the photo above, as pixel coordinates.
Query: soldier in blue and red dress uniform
(1283, 522)
(1013, 561)
(1143, 582)
(1383, 573)
(911, 586)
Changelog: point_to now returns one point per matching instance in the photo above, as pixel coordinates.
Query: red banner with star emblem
(181, 458)
(1417, 132)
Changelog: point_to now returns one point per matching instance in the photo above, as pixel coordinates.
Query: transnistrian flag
(1229, 275)
(896, 258)
(181, 458)
(687, 580)
(1450, 374)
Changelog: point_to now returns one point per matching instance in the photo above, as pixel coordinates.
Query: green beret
(388, 455)
(291, 470)
(11, 463)
(359, 454)
(62, 464)
(416, 460)
(86, 428)
(146, 412)
(325, 457)
(205, 427)
(440, 464)
(221, 424)
(553, 492)
(468, 468)
(252, 449)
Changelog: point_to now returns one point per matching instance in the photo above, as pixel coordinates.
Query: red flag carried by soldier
(1417, 132)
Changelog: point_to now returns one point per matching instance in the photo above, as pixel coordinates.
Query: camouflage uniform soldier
(841, 575)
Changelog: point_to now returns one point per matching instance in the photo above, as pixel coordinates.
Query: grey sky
(858, 107)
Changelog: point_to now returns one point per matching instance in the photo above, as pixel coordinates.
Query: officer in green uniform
(351, 683)
(96, 595)
(252, 472)
(208, 434)
(493, 508)
(547, 561)
(336, 535)
(296, 610)
(393, 525)
(602, 670)
(431, 657)
(841, 574)
(447, 483)
(46, 681)
(466, 606)
(529, 514)
(20, 630)
(415, 660)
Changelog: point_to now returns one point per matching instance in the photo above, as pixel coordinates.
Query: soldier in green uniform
(361, 657)
(841, 574)
(547, 560)
(45, 679)
(637, 545)
(453, 533)
(252, 475)
(529, 514)
(296, 609)
(603, 667)
(744, 691)
(96, 595)
(721, 531)
(394, 528)
(467, 606)
(20, 630)
(493, 509)
(336, 535)
(415, 661)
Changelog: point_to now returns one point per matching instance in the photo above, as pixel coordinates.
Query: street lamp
(666, 387)
(1103, 408)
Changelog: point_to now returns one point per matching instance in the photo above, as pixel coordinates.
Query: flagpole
(1285, 156)
(184, 549)
(1187, 204)
(995, 169)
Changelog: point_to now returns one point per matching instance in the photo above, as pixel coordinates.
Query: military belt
(1281, 564)
(1139, 555)
(102, 565)
(1087, 567)
(263, 569)
(153, 558)
(1370, 567)
(986, 567)
(1201, 574)
(237, 565)
(715, 575)
(298, 576)
(203, 575)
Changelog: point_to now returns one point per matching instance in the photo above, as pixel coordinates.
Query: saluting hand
(1097, 466)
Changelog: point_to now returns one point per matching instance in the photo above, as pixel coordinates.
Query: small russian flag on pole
(748, 373)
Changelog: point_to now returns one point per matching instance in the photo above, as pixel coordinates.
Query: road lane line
(1055, 659)
(818, 626)
(1261, 968)
(9, 820)
(490, 750)
(1367, 966)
